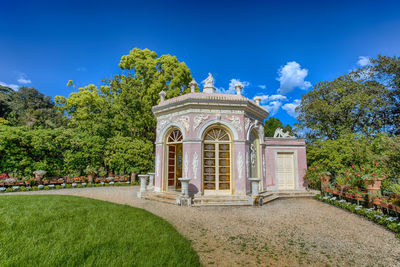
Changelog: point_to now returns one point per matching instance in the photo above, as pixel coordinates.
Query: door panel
(285, 171)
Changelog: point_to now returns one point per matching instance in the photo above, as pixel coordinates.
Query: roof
(210, 98)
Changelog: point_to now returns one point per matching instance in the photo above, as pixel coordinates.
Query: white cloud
(12, 86)
(24, 81)
(363, 61)
(262, 86)
(291, 107)
(231, 89)
(22, 78)
(267, 98)
(291, 76)
(81, 69)
(273, 107)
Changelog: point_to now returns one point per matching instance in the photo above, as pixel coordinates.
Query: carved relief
(184, 121)
(195, 164)
(279, 133)
(157, 165)
(239, 162)
(186, 165)
(248, 165)
(263, 164)
(253, 155)
(247, 124)
(236, 123)
(199, 120)
(161, 125)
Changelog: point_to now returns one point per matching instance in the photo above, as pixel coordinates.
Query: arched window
(174, 162)
(217, 160)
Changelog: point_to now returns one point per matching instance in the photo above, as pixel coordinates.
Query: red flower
(347, 178)
(353, 166)
(374, 174)
(358, 174)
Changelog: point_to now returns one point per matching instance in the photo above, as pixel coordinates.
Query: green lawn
(71, 231)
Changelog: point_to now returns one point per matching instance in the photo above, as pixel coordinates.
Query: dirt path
(292, 232)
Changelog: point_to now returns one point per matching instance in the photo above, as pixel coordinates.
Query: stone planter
(324, 179)
(184, 185)
(143, 184)
(151, 179)
(373, 184)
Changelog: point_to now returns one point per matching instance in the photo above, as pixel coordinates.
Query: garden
(365, 191)
(72, 231)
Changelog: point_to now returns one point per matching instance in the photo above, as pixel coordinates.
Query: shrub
(23, 188)
(58, 186)
(9, 189)
(40, 187)
(46, 187)
(35, 188)
(68, 186)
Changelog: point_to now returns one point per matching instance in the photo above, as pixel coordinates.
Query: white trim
(211, 122)
(166, 128)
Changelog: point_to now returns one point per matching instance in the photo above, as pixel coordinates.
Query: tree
(272, 124)
(348, 104)
(123, 105)
(29, 107)
(387, 70)
(136, 91)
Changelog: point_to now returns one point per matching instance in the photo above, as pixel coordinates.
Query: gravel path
(289, 232)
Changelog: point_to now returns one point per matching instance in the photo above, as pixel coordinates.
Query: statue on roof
(209, 82)
(279, 133)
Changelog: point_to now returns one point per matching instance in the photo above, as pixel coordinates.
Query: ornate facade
(217, 140)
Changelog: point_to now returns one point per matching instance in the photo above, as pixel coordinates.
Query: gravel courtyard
(291, 232)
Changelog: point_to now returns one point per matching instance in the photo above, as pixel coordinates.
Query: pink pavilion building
(217, 141)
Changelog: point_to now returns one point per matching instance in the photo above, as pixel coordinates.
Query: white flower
(51, 186)
(84, 184)
(358, 207)
(15, 187)
(111, 182)
(342, 200)
(2, 189)
(63, 185)
(128, 182)
(334, 198)
(40, 186)
(326, 197)
(73, 184)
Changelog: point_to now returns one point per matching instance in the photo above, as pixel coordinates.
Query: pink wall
(296, 146)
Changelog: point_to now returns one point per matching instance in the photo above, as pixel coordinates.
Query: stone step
(222, 203)
(161, 199)
(269, 198)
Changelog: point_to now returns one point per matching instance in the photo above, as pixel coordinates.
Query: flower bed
(372, 214)
(61, 186)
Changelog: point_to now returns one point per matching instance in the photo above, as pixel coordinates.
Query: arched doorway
(174, 159)
(217, 169)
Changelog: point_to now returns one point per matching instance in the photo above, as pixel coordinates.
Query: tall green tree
(348, 104)
(123, 105)
(145, 76)
(387, 70)
(28, 107)
(274, 123)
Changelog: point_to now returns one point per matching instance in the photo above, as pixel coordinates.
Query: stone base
(184, 201)
(256, 200)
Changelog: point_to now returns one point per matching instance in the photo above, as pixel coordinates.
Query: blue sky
(278, 49)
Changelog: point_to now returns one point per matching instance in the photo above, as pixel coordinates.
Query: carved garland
(195, 164)
(239, 162)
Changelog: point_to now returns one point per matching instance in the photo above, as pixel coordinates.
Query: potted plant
(372, 177)
(324, 177)
(39, 174)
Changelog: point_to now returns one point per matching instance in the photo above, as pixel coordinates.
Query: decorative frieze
(184, 121)
(199, 120)
(247, 123)
(236, 123)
